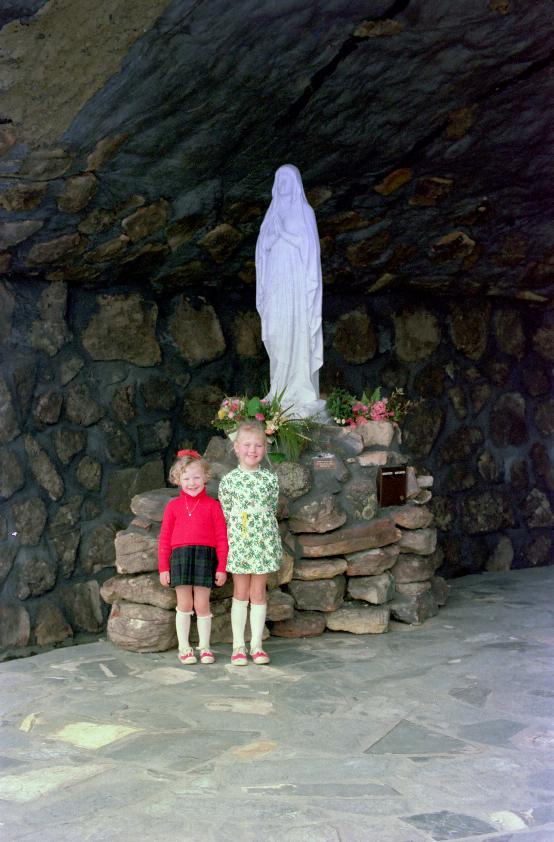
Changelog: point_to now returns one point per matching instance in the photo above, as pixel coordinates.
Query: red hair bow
(193, 453)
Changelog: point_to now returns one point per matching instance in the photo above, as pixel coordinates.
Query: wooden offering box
(391, 485)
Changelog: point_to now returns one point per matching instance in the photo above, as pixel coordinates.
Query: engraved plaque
(324, 461)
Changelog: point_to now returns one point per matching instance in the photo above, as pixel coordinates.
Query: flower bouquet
(287, 434)
(345, 409)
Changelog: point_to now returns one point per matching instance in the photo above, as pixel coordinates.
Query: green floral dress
(249, 502)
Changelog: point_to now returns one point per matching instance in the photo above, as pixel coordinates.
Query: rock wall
(348, 564)
(99, 389)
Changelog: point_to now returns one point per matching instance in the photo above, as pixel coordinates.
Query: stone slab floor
(439, 732)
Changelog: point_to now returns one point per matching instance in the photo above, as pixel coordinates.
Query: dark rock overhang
(138, 143)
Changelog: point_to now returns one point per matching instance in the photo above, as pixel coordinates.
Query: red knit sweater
(206, 526)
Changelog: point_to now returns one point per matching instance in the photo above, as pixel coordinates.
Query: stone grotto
(138, 146)
(349, 564)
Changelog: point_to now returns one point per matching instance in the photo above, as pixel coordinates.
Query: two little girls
(193, 555)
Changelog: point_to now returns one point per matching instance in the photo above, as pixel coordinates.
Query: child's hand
(164, 578)
(220, 579)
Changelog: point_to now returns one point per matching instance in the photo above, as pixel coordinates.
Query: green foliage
(291, 438)
(339, 404)
(253, 406)
(345, 408)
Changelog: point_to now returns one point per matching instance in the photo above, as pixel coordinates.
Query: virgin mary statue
(288, 294)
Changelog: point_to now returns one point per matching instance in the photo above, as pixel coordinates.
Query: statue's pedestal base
(314, 409)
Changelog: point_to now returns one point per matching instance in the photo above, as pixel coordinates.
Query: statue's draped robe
(288, 295)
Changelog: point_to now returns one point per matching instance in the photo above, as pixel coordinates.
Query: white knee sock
(182, 624)
(238, 621)
(257, 622)
(204, 625)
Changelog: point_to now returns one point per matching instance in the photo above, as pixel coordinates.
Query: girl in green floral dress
(248, 496)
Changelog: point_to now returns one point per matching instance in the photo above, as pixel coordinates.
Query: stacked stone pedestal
(348, 565)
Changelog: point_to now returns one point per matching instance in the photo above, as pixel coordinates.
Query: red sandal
(238, 658)
(260, 657)
(206, 657)
(187, 657)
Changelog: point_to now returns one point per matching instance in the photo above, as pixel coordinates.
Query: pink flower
(259, 416)
(379, 411)
(361, 420)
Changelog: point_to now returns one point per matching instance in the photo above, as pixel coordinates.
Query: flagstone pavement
(438, 732)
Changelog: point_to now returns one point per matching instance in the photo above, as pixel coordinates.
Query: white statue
(288, 294)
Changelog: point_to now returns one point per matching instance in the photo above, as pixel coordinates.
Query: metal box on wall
(391, 485)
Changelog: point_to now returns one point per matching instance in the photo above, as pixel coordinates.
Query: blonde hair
(184, 462)
(251, 426)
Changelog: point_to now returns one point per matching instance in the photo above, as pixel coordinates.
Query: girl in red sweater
(192, 552)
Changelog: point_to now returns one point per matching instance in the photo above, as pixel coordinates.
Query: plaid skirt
(193, 565)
